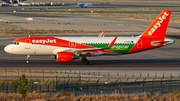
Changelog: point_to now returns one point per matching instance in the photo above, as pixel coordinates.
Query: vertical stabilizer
(154, 35)
(159, 26)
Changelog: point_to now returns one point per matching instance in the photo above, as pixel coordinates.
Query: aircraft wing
(89, 51)
(80, 52)
(85, 49)
(92, 49)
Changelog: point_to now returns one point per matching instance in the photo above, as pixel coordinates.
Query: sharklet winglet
(112, 43)
(101, 34)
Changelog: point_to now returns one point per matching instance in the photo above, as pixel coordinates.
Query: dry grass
(140, 17)
(65, 96)
(110, 13)
(20, 31)
(122, 13)
(130, 9)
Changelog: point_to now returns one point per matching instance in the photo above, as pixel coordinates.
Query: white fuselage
(23, 48)
(40, 49)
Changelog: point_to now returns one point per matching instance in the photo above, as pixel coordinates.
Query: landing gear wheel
(85, 61)
(27, 61)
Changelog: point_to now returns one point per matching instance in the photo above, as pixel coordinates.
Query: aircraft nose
(8, 49)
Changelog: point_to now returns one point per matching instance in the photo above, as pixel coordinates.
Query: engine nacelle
(64, 56)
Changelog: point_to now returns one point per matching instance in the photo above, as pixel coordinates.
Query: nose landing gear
(27, 59)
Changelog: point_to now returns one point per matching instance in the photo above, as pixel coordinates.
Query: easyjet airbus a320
(66, 49)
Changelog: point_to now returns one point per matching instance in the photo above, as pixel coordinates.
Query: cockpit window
(15, 43)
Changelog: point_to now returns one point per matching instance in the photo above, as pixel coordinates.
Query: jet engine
(64, 56)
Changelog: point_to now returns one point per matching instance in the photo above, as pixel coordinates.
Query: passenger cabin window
(15, 43)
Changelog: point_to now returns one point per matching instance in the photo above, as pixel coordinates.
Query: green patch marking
(118, 48)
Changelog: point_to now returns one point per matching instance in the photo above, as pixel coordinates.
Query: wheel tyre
(82, 60)
(86, 62)
(27, 62)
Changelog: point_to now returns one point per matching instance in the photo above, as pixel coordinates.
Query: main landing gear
(27, 59)
(84, 61)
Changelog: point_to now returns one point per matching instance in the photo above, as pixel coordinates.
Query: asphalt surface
(74, 7)
(28, 13)
(7, 13)
(156, 59)
(166, 59)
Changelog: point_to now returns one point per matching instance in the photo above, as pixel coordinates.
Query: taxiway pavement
(162, 60)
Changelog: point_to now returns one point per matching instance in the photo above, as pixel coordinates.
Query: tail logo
(158, 23)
